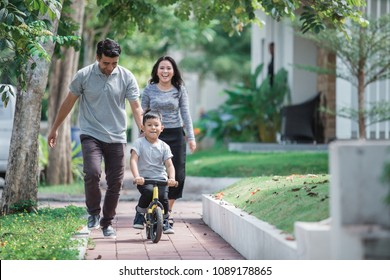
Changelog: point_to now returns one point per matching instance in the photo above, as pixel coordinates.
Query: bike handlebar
(156, 182)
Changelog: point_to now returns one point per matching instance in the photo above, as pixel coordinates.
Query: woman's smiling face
(165, 71)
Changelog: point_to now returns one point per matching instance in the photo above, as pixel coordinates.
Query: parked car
(6, 124)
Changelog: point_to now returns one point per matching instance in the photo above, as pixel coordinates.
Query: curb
(83, 236)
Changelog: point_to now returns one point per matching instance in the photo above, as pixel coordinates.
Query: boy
(152, 158)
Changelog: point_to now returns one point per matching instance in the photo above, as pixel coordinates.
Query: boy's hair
(108, 47)
(149, 114)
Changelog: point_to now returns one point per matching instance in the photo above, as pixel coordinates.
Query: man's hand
(51, 138)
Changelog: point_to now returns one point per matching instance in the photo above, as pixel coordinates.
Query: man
(103, 88)
(271, 48)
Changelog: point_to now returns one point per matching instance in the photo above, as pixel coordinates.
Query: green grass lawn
(222, 163)
(46, 234)
(281, 200)
(77, 188)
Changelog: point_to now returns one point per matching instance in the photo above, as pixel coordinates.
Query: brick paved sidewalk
(193, 240)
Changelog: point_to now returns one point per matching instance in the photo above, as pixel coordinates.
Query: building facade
(291, 49)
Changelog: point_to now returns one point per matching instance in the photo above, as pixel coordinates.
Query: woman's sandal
(170, 220)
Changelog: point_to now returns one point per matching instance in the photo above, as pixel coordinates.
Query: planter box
(360, 218)
(251, 237)
(275, 147)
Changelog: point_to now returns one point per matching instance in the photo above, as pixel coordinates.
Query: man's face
(107, 64)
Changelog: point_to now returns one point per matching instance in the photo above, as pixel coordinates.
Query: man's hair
(108, 47)
(149, 114)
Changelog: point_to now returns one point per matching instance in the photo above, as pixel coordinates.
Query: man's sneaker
(139, 221)
(109, 232)
(93, 222)
(167, 228)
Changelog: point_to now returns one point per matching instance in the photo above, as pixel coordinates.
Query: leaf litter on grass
(281, 200)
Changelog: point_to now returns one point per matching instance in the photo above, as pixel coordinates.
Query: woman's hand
(172, 183)
(192, 145)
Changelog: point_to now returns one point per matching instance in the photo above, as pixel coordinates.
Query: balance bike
(154, 216)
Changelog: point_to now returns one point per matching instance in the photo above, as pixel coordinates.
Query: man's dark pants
(94, 151)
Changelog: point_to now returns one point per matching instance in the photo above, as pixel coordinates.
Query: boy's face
(152, 128)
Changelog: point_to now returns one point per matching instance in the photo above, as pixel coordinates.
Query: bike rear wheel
(156, 225)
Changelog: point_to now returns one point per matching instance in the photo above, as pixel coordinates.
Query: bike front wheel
(156, 225)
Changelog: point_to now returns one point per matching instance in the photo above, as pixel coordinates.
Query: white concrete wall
(204, 95)
(289, 49)
(304, 83)
(360, 216)
(345, 92)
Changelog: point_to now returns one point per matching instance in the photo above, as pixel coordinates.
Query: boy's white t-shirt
(151, 158)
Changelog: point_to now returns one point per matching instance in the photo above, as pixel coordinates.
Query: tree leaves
(23, 33)
(310, 20)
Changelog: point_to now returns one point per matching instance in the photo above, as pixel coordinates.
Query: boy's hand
(139, 181)
(172, 183)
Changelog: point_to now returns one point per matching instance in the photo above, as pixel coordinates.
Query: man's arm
(137, 112)
(65, 108)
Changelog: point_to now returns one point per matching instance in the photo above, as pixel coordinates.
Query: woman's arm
(171, 173)
(186, 117)
(145, 99)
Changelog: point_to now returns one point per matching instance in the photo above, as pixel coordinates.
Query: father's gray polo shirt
(102, 112)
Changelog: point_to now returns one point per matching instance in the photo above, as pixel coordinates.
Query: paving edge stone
(82, 235)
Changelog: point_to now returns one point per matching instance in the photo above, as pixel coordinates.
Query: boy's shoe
(93, 222)
(139, 221)
(167, 228)
(109, 232)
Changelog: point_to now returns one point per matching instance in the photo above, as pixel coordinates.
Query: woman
(166, 93)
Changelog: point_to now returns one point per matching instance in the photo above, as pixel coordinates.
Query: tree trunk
(326, 84)
(267, 133)
(361, 80)
(59, 169)
(362, 118)
(21, 182)
(90, 35)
